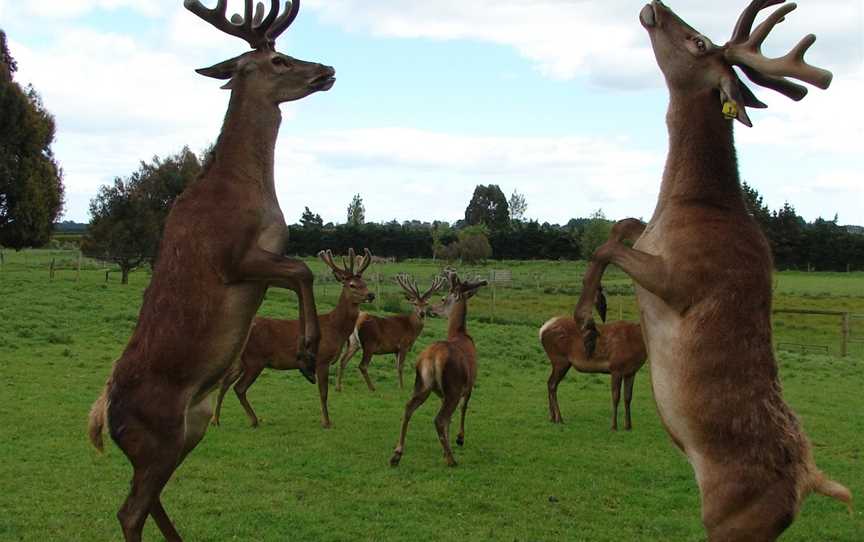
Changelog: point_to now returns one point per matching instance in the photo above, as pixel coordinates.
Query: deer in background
(272, 343)
(448, 368)
(389, 335)
(619, 352)
(703, 271)
(222, 247)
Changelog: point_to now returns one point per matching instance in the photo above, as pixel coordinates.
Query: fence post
(493, 301)
(51, 270)
(378, 291)
(78, 268)
(844, 344)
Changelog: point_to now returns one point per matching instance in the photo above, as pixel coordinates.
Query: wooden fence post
(51, 269)
(844, 344)
(378, 291)
(78, 268)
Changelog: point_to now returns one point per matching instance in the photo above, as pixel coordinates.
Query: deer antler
(409, 285)
(452, 278)
(347, 269)
(437, 283)
(365, 262)
(745, 50)
(259, 32)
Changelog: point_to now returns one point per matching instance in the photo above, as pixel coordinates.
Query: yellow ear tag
(730, 110)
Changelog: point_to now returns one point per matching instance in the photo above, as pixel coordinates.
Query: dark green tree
(756, 206)
(128, 217)
(518, 206)
(786, 234)
(488, 207)
(310, 221)
(356, 211)
(595, 233)
(31, 182)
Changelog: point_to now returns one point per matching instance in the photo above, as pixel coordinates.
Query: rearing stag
(222, 247)
(703, 270)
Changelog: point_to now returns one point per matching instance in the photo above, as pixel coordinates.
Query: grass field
(520, 478)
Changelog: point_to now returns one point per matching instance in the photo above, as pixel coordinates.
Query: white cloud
(601, 40)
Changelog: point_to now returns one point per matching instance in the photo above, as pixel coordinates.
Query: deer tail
(825, 486)
(96, 421)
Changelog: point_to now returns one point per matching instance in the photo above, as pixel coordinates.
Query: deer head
(460, 291)
(263, 72)
(692, 63)
(352, 281)
(413, 295)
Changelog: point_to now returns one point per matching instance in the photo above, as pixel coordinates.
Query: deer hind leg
(421, 393)
(230, 378)
(154, 458)
(364, 369)
(736, 510)
(460, 438)
(616, 398)
(559, 371)
(442, 426)
(247, 378)
(352, 349)
(628, 396)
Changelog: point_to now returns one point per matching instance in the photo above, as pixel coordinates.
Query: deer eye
(279, 61)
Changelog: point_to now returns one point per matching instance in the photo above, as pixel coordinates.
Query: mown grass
(520, 478)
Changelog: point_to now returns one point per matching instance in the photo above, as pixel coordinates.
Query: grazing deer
(619, 352)
(390, 335)
(222, 247)
(448, 368)
(272, 343)
(703, 271)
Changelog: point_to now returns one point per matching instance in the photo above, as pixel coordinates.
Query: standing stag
(703, 272)
(448, 368)
(391, 335)
(273, 343)
(222, 248)
(618, 352)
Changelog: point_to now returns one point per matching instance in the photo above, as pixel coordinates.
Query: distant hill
(68, 226)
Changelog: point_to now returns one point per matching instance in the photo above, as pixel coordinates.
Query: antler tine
(452, 278)
(327, 257)
(284, 21)
(745, 50)
(252, 27)
(437, 284)
(352, 259)
(407, 283)
(748, 17)
(365, 262)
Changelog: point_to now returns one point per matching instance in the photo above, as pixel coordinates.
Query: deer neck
(346, 311)
(701, 166)
(456, 322)
(416, 321)
(245, 150)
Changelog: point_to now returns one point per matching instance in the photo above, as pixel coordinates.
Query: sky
(560, 100)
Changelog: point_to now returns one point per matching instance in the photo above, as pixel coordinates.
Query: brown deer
(390, 335)
(619, 352)
(272, 343)
(222, 247)
(703, 271)
(448, 368)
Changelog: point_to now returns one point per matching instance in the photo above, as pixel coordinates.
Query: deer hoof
(214, 421)
(394, 461)
(460, 441)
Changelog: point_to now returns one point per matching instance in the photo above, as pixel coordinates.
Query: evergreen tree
(356, 211)
(518, 206)
(488, 207)
(31, 182)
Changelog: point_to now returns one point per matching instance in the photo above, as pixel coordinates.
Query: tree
(518, 206)
(310, 221)
(595, 232)
(31, 182)
(786, 234)
(756, 207)
(356, 211)
(488, 207)
(128, 217)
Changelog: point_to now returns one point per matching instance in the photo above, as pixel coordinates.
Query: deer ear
(222, 70)
(733, 100)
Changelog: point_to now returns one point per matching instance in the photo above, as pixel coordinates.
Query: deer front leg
(262, 266)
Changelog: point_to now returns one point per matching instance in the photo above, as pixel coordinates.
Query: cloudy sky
(558, 99)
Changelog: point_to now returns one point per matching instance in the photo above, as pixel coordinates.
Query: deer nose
(328, 70)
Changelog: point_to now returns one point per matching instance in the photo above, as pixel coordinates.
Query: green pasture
(519, 477)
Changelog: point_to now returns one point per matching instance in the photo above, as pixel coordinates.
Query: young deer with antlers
(448, 368)
(272, 343)
(703, 270)
(619, 352)
(221, 249)
(390, 335)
